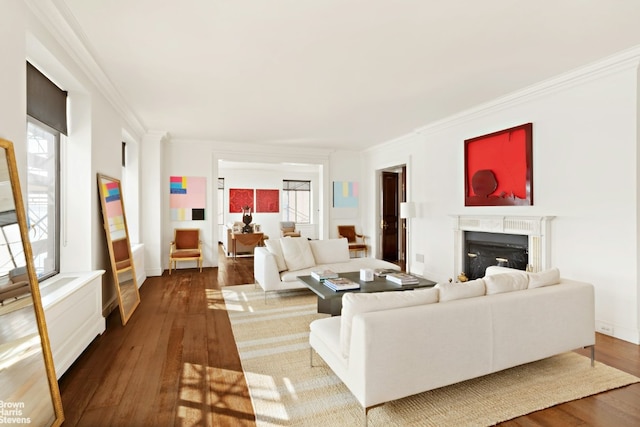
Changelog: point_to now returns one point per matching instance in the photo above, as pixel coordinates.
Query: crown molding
(60, 23)
(624, 60)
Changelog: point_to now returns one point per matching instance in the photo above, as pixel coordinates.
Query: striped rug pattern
(272, 341)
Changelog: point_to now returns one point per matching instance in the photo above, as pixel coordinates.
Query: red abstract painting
(240, 197)
(499, 168)
(267, 201)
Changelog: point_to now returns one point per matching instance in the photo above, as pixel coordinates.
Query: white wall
(13, 82)
(585, 174)
(347, 166)
(93, 143)
(201, 158)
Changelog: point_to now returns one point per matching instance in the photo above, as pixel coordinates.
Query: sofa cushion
(330, 251)
(354, 303)
(454, 291)
(506, 282)
(496, 269)
(544, 278)
(275, 248)
(297, 253)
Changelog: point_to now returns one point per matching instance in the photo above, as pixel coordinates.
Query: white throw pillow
(496, 269)
(454, 291)
(330, 251)
(506, 282)
(544, 278)
(354, 303)
(297, 253)
(275, 248)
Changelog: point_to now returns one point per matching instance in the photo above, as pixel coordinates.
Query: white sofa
(276, 266)
(390, 345)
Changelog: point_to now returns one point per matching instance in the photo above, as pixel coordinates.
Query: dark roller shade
(46, 102)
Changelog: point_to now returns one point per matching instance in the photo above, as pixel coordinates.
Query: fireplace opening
(485, 249)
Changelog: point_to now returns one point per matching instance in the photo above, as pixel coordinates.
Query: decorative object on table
(238, 198)
(366, 274)
(382, 272)
(323, 274)
(499, 168)
(257, 228)
(187, 198)
(246, 219)
(462, 277)
(341, 284)
(268, 201)
(402, 278)
(345, 194)
(407, 211)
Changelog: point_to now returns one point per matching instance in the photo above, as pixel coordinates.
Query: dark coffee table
(330, 302)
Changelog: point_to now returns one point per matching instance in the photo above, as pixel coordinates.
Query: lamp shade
(407, 210)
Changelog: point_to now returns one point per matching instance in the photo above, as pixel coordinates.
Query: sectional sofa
(390, 345)
(278, 265)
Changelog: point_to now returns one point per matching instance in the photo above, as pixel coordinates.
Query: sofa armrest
(265, 269)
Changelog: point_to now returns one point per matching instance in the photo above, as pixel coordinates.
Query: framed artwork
(187, 198)
(240, 197)
(267, 201)
(498, 168)
(345, 194)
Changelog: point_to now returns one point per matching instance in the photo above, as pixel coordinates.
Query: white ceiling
(335, 73)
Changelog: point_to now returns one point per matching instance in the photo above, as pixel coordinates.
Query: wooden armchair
(349, 232)
(186, 246)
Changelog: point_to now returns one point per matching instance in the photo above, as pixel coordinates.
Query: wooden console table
(248, 239)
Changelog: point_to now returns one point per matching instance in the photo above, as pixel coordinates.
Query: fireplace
(485, 249)
(521, 242)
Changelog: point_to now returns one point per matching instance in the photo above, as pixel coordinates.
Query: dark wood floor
(176, 364)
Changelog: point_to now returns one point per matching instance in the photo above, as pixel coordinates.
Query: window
(220, 201)
(46, 122)
(43, 145)
(296, 201)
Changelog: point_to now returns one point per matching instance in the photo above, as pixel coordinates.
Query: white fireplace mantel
(537, 228)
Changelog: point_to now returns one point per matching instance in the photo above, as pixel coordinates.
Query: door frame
(402, 171)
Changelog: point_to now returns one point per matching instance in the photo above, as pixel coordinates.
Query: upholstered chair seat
(186, 246)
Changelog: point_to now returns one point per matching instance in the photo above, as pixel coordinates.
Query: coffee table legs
(332, 306)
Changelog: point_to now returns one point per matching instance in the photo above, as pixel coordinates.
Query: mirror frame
(129, 268)
(33, 283)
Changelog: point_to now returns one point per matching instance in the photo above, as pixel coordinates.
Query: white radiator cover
(536, 228)
(73, 311)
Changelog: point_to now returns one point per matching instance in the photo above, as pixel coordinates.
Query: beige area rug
(273, 343)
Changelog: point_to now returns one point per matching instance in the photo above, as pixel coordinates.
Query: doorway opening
(392, 229)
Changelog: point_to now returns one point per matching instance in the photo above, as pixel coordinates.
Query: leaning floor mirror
(115, 226)
(29, 391)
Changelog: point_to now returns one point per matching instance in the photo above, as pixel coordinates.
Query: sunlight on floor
(225, 389)
(270, 396)
(216, 301)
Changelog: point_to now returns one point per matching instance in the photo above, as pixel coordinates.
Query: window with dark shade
(46, 102)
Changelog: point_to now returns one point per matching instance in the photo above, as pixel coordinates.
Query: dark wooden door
(389, 216)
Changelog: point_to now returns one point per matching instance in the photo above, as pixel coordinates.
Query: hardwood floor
(176, 364)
